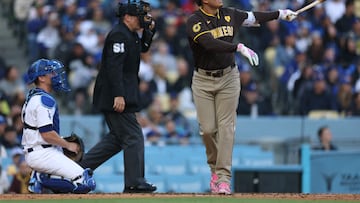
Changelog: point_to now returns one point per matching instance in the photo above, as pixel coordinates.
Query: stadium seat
(198, 165)
(166, 165)
(185, 183)
(109, 183)
(323, 114)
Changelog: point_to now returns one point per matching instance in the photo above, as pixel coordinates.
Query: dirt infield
(175, 195)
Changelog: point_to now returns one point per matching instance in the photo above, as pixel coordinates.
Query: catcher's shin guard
(88, 179)
(34, 183)
(56, 184)
(61, 185)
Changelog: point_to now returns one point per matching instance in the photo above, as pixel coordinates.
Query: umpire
(116, 94)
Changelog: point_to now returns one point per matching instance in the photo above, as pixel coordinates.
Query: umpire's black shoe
(142, 188)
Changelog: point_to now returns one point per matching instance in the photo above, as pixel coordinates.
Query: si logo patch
(118, 48)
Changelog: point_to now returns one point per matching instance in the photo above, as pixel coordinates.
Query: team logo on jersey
(227, 18)
(118, 48)
(208, 22)
(196, 27)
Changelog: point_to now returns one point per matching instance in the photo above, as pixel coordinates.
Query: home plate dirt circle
(174, 195)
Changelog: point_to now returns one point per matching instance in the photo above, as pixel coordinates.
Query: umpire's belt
(43, 146)
(216, 73)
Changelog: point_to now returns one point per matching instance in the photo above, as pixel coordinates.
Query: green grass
(179, 200)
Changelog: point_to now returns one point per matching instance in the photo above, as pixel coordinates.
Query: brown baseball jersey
(211, 36)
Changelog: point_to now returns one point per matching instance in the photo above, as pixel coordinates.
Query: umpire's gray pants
(216, 100)
(125, 134)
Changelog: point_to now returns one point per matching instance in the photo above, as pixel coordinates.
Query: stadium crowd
(312, 63)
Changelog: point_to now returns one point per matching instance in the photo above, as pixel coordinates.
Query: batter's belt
(215, 73)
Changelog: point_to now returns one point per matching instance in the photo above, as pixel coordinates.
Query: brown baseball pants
(216, 98)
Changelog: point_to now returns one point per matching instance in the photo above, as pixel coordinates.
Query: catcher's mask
(44, 66)
(137, 8)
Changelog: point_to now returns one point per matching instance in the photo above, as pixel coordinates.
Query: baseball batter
(42, 143)
(216, 83)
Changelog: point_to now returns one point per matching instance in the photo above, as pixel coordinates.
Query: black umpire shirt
(118, 75)
(210, 36)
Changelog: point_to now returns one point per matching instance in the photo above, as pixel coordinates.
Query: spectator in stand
(10, 139)
(177, 117)
(88, 37)
(251, 103)
(181, 86)
(152, 134)
(82, 70)
(70, 17)
(348, 53)
(18, 125)
(63, 51)
(355, 106)
(163, 56)
(184, 79)
(332, 79)
(304, 82)
(317, 97)
(17, 155)
(21, 12)
(325, 138)
(80, 103)
(37, 21)
(4, 181)
(344, 24)
(315, 52)
(146, 70)
(335, 9)
(20, 180)
(344, 95)
(160, 85)
(101, 25)
(3, 125)
(49, 37)
(12, 84)
(174, 134)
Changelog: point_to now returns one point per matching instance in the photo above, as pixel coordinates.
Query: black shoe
(142, 188)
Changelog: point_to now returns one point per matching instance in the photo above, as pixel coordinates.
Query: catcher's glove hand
(72, 155)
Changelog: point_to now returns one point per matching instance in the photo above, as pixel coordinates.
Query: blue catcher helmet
(44, 66)
(38, 68)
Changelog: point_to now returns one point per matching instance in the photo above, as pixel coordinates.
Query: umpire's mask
(137, 8)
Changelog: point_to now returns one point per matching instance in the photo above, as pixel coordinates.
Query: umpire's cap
(133, 8)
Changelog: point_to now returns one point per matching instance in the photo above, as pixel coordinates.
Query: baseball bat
(311, 5)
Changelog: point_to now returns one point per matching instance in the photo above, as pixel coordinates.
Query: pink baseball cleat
(223, 188)
(213, 180)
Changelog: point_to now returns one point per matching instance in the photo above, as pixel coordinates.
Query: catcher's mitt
(72, 155)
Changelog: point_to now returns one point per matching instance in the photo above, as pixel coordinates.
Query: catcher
(43, 147)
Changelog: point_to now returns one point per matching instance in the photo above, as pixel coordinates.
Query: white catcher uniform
(40, 113)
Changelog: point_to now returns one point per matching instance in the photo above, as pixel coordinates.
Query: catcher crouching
(53, 171)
